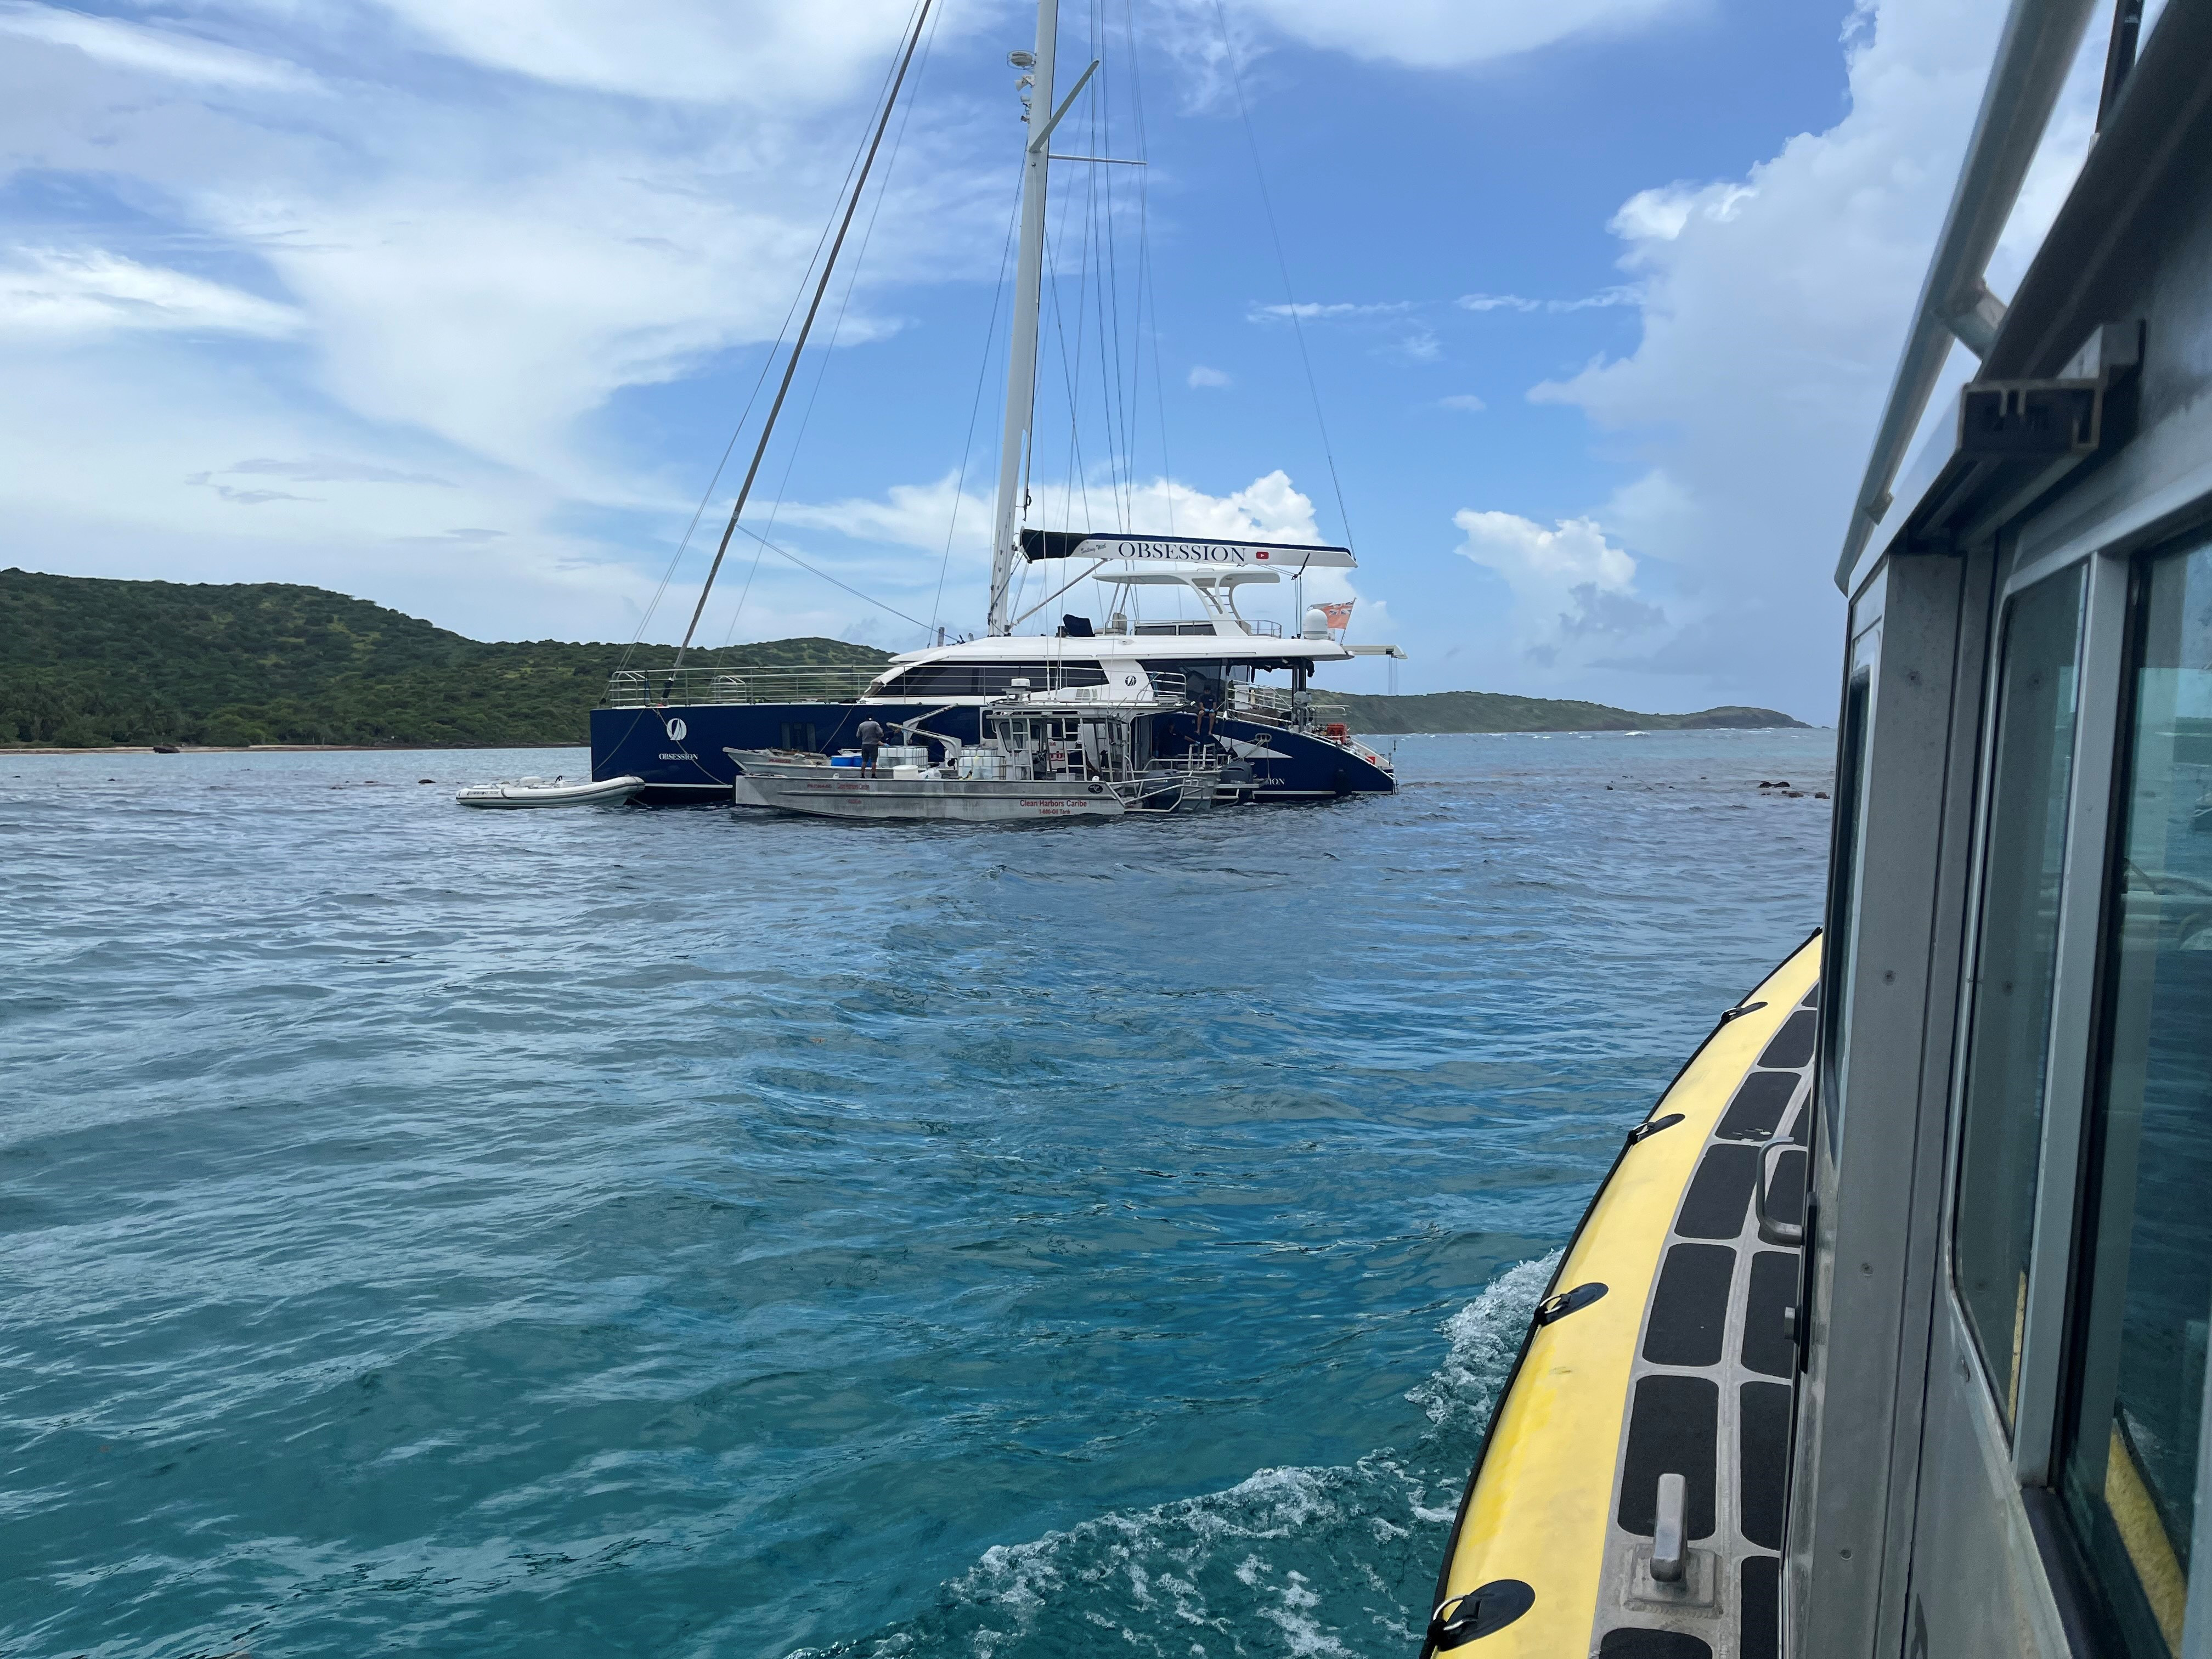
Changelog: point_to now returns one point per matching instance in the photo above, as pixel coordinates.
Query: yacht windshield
(987, 679)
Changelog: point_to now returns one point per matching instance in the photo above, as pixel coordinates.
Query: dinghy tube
(1627, 1501)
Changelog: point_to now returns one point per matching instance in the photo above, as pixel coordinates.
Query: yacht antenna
(1029, 294)
(791, 368)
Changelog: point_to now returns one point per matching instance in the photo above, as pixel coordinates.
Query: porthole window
(2133, 1427)
(2014, 964)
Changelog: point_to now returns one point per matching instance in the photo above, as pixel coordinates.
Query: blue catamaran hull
(677, 750)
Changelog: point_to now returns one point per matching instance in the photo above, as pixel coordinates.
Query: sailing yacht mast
(1029, 292)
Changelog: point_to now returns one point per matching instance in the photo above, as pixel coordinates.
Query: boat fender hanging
(1651, 1127)
(1479, 1612)
(1553, 1308)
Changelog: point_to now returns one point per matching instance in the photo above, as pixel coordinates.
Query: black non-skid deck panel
(1719, 1193)
(1763, 1420)
(1673, 1429)
(1634, 1642)
(1759, 1608)
(1793, 1044)
(1694, 1409)
(1767, 1348)
(1689, 1311)
(1759, 1101)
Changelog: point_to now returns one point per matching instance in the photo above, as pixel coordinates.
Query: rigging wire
(786, 552)
(976, 407)
(767, 362)
(1237, 81)
(790, 368)
(836, 328)
(1145, 284)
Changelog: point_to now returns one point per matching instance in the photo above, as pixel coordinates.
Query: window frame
(2132, 569)
(2075, 979)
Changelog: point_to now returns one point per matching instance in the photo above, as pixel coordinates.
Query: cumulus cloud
(446, 266)
(1772, 308)
(54, 291)
(1571, 586)
(1203, 379)
(904, 535)
(1452, 34)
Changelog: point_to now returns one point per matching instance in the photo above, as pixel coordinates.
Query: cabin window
(2015, 958)
(2134, 1422)
(990, 680)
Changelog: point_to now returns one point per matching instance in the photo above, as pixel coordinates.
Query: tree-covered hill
(86, 661)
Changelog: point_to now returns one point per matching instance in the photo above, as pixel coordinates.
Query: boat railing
(655, 688)
(1169, 686)
(1274, 703)
(1270, 630)
(1269, 702)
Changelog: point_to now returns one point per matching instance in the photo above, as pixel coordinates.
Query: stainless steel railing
(654, 688)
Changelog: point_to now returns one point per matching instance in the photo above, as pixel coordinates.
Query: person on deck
(871, 740)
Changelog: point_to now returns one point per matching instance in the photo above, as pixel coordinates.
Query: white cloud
(1772, 308)
(907, 515)
(1203, 379)
(1572, 587)
(1622, 295)
(1309, 311)
(55, 292)
(916, 520)
(1464, 403)
(1417, 345)
(1452, 34)
(156, 51)
(764, 50)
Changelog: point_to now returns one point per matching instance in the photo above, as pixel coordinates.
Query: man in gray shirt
(872, 739)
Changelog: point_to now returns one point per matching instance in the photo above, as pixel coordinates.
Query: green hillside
(1494, 711)
(85, 661)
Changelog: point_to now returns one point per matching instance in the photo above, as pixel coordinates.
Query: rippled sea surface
(614, 1231)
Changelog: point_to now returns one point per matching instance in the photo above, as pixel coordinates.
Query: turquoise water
(612, 1232)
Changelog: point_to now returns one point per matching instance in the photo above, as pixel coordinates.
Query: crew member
(871, 740)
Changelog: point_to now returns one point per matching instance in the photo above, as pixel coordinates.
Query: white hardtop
(1224, 647)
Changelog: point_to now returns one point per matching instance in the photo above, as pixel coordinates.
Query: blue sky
(455, 306)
